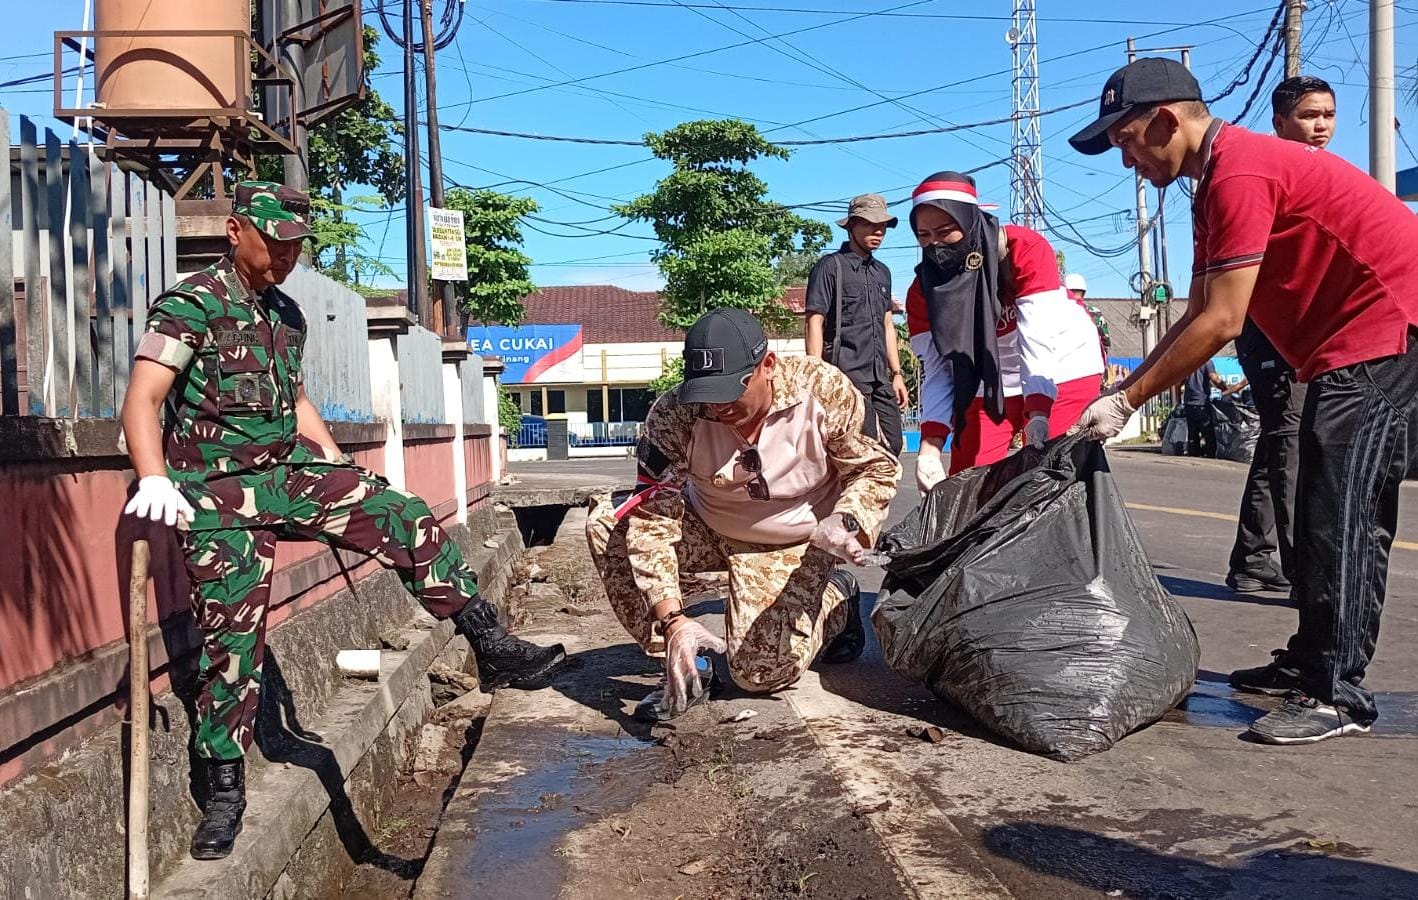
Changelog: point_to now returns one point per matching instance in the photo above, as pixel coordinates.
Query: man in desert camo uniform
(242, 459)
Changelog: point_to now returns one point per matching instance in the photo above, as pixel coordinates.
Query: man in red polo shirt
(1328, 257)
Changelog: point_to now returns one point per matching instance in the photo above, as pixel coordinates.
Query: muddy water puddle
(1215, 704)
(526, 817)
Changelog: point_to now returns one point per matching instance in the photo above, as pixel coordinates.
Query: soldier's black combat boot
(504, 660)
(226, 801)
(848, 645)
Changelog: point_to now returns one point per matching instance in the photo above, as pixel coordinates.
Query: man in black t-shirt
(1303, 109)
(849, 318)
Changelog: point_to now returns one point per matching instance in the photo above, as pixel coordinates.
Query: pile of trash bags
(1020, 592)
(1237, 430)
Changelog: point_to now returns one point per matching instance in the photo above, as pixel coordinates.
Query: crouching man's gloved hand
(837, 534)
(1105, 417)
(685, 639)
(158, 499)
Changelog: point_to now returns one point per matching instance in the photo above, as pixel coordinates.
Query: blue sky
(854, 67)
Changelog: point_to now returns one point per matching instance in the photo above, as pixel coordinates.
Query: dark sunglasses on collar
(753, 464)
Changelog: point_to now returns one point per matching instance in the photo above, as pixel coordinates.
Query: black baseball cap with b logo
(721, 351)
(1140, 83)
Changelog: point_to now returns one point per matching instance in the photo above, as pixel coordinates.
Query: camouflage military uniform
(781, 608)
(232, 448)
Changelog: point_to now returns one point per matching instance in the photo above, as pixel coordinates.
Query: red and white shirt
(1338, 254)
(1045, 337)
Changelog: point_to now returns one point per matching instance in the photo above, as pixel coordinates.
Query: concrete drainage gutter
(291, 803)
(310, 817)
(330, 751)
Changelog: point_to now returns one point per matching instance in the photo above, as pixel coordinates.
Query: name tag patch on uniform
(237, 338)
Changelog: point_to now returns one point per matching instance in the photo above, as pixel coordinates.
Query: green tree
(498, 275)
(358, 146)
(724, 242)
(911, 368)
(509, 414)
(670, 376)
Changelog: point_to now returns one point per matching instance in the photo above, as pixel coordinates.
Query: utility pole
(1294, 12)
(292, 54)
(445, 308)
(1027, 179)
(413, 202)
(1144, 260)
(1382, 154)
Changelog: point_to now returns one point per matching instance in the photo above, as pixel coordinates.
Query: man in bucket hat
(757, 465)
(1320, 257)
(849, 318)
(243, 458)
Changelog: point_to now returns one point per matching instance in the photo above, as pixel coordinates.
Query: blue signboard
(531, 353)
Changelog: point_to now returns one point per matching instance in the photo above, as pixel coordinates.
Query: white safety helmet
(1075, 282)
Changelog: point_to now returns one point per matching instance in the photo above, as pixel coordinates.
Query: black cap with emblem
(1139, 84)
(721, 351)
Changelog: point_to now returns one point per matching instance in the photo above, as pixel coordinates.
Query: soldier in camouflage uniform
(755, 465)
(243, 459)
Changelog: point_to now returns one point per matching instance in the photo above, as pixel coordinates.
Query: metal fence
(90, 247)
(530, 435)
(533, 434)
(604, 434)
(336, 364)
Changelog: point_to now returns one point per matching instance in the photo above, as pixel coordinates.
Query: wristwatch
(663, 623)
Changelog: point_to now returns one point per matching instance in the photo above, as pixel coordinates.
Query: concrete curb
(287, 801)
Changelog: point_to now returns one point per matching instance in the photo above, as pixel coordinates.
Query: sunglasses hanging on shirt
(753, 464)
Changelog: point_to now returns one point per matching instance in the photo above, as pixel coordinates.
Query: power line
(961, 17)
(944, 129)
(617, 51)
(694, 55)
(1002, 72)
(1278, 45)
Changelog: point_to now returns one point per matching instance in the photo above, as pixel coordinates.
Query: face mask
(947, 257)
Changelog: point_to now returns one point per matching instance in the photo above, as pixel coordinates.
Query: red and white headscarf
(960, 283)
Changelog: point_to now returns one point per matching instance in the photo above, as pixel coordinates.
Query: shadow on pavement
(870, 683)
(1121, 868)
(597, 679)
(1205, 590)
(283, 739)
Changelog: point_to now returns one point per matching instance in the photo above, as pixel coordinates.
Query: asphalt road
(1184, 808)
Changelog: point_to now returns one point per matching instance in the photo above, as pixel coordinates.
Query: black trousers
(1357, 437)
(883, 416)
(1201, 431)
(1267, 515)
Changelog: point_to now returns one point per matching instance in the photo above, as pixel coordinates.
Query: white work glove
(683, 643)
(159, 499)
(832, 535)
(1105, 417)
(1036, 430)
(929, 471)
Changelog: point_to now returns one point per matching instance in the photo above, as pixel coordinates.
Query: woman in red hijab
(1003, 346)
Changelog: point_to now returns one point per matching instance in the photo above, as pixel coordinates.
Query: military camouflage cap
(280, 212)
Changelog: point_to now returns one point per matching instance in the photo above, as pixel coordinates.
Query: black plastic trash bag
(1020, 592)
(1175, 433)
(1237, 429)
